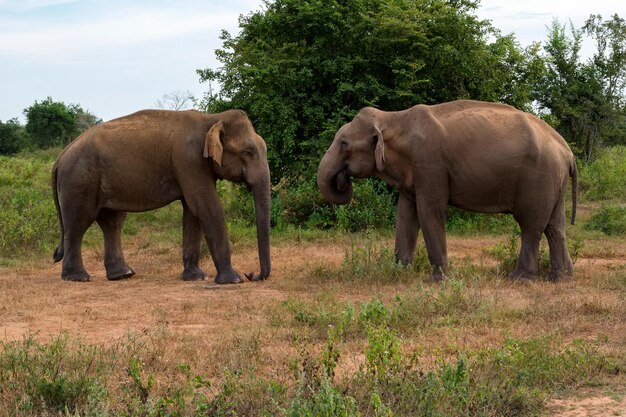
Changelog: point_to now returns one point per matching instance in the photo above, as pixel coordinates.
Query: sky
(114, 57)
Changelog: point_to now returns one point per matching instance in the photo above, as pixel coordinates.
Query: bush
(299, 202)
(609, 219)
(467, 222)
(605, 177)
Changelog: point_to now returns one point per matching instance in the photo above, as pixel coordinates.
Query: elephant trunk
(261, 194)
(333, 179)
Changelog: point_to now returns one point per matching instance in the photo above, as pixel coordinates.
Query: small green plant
(135, 372)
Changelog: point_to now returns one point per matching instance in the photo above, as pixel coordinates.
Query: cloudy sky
(116, 56)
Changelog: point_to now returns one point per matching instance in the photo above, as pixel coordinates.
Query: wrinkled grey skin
(148, 159)
(482, 157)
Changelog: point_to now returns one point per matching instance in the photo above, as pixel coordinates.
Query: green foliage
(605, 177)
(586, 100)
(13, 137)
(63, 375)
(466, 222)
(301, 69)
(299, 203)
(52, 123)
(27, 211)
(609, 219)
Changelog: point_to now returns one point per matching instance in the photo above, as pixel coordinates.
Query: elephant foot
(81, 276)
(438, 274)
(560, 276)
(193, 274)
(522, 277)
(119, 274)
(228, 277)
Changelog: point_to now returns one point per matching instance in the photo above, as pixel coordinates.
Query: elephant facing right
(478, 156)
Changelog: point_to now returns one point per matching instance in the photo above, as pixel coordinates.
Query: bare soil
(35, 301)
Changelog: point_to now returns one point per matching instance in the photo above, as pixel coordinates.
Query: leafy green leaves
(302, 69)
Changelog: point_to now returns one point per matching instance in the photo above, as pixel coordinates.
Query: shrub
(605, 177)
(609, 219)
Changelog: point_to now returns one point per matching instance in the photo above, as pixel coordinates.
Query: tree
(301, 69)
(51, 123)
(585, 100)
(13, 137)
(176, 100)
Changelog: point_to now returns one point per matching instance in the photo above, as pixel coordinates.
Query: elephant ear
(379, 152)
(213, 144)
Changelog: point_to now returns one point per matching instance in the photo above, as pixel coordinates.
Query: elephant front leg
(407, 228)
(432, 221)
(192, 239)
(217, 240)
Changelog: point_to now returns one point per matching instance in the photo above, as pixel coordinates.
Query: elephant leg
(407, 228)
(76, 222)
(204, 204)
(192, 239)
(111, 222)
(561, 267)
(528, 261)
(432, 221)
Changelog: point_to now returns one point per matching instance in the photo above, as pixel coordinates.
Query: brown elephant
(148, 159)
(482, 157)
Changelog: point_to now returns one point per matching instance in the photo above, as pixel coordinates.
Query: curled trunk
(333, 180)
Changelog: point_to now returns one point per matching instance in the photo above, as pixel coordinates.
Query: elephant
(147, 160)
(477, 156)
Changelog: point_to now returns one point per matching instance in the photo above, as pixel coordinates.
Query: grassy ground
(337, 330)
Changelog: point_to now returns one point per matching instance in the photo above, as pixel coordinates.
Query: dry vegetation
(266, 327)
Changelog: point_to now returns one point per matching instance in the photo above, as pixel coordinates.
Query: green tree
(54, 123)
(585, 100)
(302, 68)
(13, 137)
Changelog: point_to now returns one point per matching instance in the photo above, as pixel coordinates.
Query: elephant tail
(573, 172)
(58, 253)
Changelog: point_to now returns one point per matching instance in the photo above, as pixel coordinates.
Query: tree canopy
(53, 123)
(586, 100)
(302, 68)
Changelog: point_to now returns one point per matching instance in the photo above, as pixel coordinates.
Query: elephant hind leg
(75, 228)
(111, 222)
(192, 239)
(561, 266)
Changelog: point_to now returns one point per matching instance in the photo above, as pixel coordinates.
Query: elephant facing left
(147, 160)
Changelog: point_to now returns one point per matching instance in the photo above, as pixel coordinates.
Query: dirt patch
(592, 405)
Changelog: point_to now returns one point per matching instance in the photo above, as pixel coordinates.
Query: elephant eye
(344, 146)
(249, 153)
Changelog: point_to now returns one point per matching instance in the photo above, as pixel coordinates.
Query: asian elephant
(478, 156)
(148, 159)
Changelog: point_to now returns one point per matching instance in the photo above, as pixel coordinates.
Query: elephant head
(357, 151)
(239, 154)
